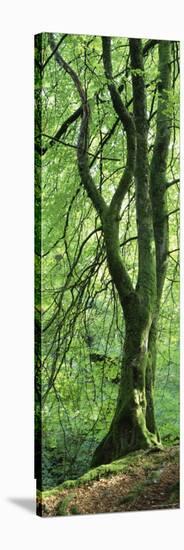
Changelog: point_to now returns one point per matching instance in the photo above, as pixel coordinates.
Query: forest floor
(144, 480)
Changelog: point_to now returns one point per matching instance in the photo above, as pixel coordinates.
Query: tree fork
(135, 408)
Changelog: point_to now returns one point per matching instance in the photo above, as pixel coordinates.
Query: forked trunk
(134, 426)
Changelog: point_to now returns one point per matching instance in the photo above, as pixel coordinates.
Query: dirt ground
(150, 483)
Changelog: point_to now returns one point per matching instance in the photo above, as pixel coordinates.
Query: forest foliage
(80, 329)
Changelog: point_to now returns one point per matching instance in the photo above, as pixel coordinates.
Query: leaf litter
(150, 483)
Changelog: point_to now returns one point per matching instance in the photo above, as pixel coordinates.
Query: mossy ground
(140, 481)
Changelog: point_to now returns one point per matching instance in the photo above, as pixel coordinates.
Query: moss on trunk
(132, 427)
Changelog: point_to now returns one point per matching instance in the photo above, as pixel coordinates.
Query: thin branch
(173, 182)
(173, 212)
(62, 130)
(82, 146)
(53, 52)
(174, 250)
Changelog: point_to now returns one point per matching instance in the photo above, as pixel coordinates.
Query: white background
(20, 527)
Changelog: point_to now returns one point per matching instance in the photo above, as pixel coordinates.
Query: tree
(139, 100)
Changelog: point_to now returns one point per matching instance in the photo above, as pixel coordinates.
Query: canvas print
(106, 274)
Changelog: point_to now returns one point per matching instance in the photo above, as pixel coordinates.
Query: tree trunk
(150, 378)
(133, 426)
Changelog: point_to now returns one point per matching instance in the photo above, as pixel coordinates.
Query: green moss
(105, 470)
(63, 505)
(174, 493)
(74, 511)
(101, 471)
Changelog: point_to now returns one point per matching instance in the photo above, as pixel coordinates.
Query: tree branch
(128, 126)
(149, 45)
(111, 219)
(82, 146)
(159, 165)
(62, 130)
(146, 283)
(173, 182)
(53, 52)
